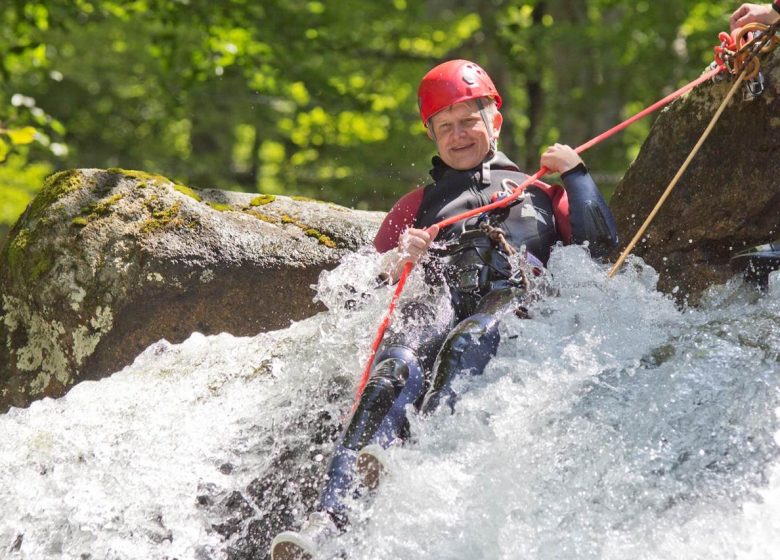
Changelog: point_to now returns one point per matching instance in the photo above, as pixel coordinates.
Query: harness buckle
(754, 87)
(468, 279)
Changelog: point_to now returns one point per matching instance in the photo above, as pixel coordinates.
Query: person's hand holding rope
(560, 158)
(414, 243)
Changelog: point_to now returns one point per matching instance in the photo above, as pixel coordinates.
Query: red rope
(506, 200)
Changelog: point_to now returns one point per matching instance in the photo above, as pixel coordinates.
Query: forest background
(318, 98)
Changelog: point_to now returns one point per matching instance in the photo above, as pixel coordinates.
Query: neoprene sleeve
(590, 217)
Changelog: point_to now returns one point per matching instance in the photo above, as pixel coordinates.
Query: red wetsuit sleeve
(561, 210)
(400, 217)
(560, 204)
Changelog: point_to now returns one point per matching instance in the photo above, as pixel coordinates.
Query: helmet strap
(489, 126)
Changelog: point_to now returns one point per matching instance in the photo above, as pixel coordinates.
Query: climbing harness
(737, 54)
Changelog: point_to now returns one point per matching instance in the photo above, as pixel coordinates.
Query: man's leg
(470, 345)
(397, 380)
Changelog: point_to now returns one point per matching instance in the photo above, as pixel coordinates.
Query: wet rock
(728, 199)
(105, 262)
(283, 494)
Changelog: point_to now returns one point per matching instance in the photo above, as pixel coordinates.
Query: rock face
(105, 262)
(728, 199)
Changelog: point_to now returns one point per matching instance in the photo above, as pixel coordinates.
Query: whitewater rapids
(612, 424)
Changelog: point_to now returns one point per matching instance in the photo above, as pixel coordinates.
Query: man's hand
(560, 158)
(749, 13)
(413, 245)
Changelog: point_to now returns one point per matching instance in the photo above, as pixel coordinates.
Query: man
(477, 264)
(758, 13)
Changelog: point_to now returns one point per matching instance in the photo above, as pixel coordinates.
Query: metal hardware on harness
(754, 87)
(468, 279)
(737, 53)
(498, 237)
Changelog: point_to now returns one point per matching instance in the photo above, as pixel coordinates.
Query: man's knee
(477, 330)
(394, 368)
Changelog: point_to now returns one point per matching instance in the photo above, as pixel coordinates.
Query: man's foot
(370, 465)
(303, 545)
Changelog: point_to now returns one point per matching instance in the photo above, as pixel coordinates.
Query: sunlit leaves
(299, 94)
(313, 97)
(38, 14)
(272, 152)
(244, 143)
(315, 7)
(20, 136)
(19, 181)
(317, 127)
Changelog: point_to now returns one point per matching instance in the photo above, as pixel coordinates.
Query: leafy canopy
(318, 98)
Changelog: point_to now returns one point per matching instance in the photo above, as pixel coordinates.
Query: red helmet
(450, 83)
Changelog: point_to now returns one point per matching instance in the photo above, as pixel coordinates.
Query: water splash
(610, 424)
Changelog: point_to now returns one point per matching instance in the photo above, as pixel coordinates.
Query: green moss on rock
(24, 261)
(264, 217)
(142, 177)
(164, 218)
(54, 187)
(188, 192)
(17, 248)
(262, 200)
(41, 267)
(309, 231)
(321, 237)
(305, 199)
(96, 210)
(220, 207)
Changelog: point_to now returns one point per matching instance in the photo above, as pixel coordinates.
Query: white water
(611, 425)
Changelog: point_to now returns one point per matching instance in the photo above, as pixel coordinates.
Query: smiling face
(460, 134)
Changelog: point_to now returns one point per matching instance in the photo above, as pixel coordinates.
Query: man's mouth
(462, 148)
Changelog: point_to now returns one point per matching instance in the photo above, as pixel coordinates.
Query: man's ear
(430, 132)
(497, 121)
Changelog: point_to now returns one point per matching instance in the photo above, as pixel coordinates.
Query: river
(612, 424)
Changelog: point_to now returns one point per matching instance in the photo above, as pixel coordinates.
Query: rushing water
(612, 424)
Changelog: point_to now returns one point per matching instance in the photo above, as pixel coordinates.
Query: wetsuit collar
(498, 161)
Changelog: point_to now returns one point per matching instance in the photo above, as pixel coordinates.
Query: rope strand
(679, 174)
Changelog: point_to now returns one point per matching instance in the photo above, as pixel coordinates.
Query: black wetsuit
(430, 342)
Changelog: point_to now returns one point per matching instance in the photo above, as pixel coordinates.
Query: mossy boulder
(105, 262)
(728, 199)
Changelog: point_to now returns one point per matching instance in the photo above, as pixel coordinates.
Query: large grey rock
(728, 199)
(105, 262)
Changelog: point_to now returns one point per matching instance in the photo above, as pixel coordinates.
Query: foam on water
(611, 424)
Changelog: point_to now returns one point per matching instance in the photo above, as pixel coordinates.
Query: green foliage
(318, 98)
(19, 182)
